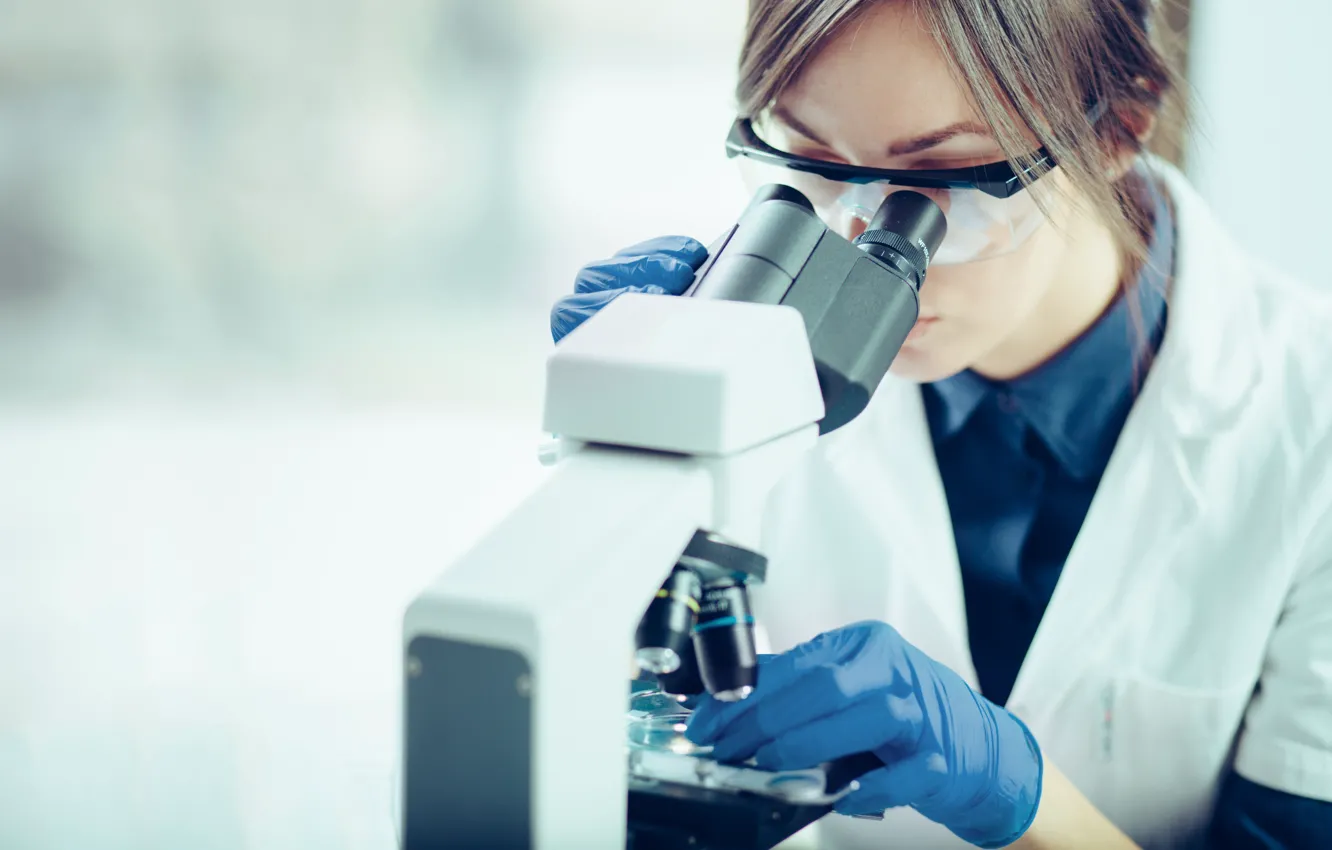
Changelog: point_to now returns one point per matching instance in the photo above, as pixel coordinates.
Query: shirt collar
(1077, 400)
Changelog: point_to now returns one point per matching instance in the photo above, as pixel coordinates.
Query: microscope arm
(517, 657)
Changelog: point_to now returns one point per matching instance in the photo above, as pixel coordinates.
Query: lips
(922, 326)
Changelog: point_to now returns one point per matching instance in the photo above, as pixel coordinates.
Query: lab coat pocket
(1163, 749)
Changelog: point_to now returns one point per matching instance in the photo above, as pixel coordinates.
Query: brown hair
(1037, 65)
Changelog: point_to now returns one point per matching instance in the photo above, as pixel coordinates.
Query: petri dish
(654, 702)
(656, 721)
(663, 733)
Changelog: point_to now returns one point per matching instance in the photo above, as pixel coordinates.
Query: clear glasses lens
(980, 226)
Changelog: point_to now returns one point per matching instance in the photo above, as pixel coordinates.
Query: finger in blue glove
(808, 704)
(954, 756)
(661, 266)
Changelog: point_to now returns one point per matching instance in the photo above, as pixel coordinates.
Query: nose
(857, 227)
(855, 207)
(847, 224)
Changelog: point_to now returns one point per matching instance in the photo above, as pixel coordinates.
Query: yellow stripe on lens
(690, 602)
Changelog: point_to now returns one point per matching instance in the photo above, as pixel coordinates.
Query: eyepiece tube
(914, 217)
(905, 233)
(780, 192)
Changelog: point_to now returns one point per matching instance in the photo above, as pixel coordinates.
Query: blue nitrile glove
(661, 266)
(954, 756)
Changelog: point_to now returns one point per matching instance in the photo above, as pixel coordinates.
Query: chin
(924, 366)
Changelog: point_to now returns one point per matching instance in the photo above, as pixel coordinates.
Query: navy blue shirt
(1020, 461)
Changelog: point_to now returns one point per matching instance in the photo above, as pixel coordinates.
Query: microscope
(676, 417)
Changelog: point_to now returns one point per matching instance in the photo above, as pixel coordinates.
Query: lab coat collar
(1209, 360)
(1200, 383)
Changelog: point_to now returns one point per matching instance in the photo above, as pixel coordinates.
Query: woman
(1090, 332)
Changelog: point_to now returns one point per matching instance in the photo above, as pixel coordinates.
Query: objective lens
(657, 659)
(683, 681)
(663, 633)
(724, 642)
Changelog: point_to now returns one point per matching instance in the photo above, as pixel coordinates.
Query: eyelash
(816, 153)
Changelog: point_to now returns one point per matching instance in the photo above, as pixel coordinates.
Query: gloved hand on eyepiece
(661, 266)
(948, 752)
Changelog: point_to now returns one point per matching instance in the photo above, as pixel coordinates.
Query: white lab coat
(1191, 628)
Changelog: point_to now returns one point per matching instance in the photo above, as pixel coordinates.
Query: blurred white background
(274, 284)
(1262, 76)
(274, 288)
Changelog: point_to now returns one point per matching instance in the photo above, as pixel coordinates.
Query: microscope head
(859, 299)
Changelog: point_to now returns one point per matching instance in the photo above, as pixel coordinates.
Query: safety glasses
(989, 213)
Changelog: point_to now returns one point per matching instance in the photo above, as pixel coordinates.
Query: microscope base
(666, 816)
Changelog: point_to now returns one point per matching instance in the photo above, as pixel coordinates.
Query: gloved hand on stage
(948, 752)
(661, 266)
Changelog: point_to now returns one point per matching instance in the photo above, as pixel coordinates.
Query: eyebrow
(938, 137)
(901, 147)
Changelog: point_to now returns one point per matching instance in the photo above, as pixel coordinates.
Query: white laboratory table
(200, 615)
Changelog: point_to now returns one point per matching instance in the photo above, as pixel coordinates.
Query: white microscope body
(680, 414)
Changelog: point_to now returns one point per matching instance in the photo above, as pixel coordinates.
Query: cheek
(995, 292)
(979, 305)
(978, 294)
(1000, 291)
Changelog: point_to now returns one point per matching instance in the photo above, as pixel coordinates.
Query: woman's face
(882, 95)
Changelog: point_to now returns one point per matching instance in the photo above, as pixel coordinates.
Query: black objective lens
(684, 681)
(905, 232)
(664, 632)
(724, 641)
